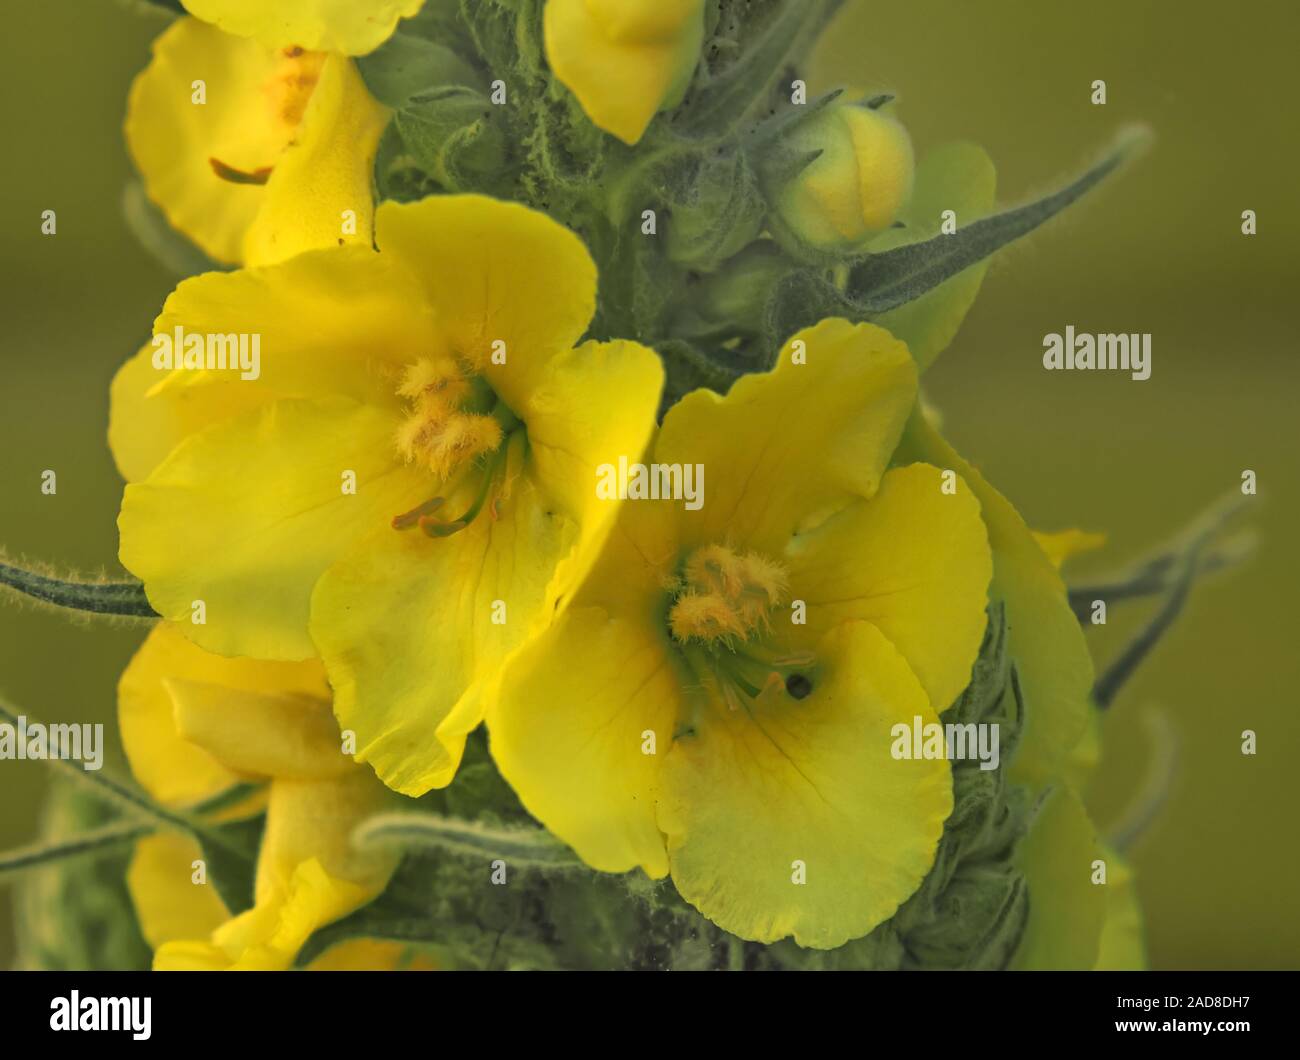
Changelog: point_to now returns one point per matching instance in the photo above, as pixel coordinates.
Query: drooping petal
(252, 100)
(495, 273)
(625, 60)
(247, 515)
(168, 904)
(319, 193)
(268, 936)
(914, 561)
(751, 798)
(171, 768)
(261, 733)
(787, 448)
(586, 713)
(1043, 636)
(313, 820)
(413, 630)
(1066, 909)
(352, 27)
(959, 177)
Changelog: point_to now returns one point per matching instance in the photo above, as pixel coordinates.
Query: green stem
(521, 847)
(129, 798)
(96, 842)
(123, 599)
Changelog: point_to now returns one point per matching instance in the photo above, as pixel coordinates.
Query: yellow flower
(195, 724)
(353, 27)
(255, 150)
(718, 701)
(856, 186)
(409, 486)
(625, 60)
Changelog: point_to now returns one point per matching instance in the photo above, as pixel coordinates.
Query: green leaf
(406, 65)
(715, 108)
(958, 177)
(886, 281)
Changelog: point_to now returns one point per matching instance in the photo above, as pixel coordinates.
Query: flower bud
(717, 211)
(625, 60)
(855, 187)
(737, 294)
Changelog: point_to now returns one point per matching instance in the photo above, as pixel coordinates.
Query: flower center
(721, 615)
(449, 431)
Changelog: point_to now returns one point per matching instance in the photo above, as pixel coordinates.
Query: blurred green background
(1158, 250)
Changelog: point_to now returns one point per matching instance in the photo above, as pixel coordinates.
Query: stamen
(409, 519)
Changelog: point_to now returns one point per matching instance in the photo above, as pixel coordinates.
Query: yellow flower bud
(856, 186)
(625, 60)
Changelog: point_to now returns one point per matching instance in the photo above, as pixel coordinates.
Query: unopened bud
(855, 187)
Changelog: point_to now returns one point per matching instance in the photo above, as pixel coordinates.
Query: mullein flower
(194, 725)
(625, 60)
(439, 377)
(718, 700)
(255, 142)
(856, 185)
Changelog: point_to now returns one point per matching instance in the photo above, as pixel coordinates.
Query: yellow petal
(169, 767)
(254, 98)
(1121, 948)
(404, 624)
(144, 428)
(586, 714)
(1066, 909)
(269, 936)
(319, 193)
(624, 61)
(1043, 636)
(352, 27)
(787, 448)
(915, 562)
(247, 515)
(595, 404)
(495, 272)
(1066, 544)
(750, 797)
(261, 733)
(339, 322)
(168, 904)
(313, 820)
